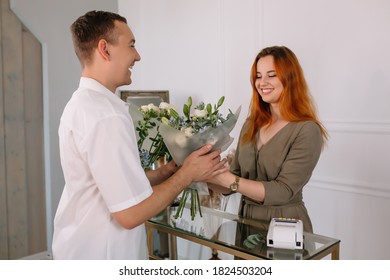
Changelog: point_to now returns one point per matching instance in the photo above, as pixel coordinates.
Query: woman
(280, 142)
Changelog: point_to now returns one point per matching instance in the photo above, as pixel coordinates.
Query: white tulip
(165, 106)
(200, 113)
(144, 108)
(153, 107)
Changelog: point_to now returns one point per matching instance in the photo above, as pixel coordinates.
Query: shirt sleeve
(111, 152)
(297, 168)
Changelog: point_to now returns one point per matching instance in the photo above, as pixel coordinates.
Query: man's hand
(202, 164)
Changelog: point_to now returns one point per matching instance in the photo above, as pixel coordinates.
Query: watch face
(234, 187)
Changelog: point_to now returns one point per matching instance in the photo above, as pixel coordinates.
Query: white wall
(49, 21)
(205, 49)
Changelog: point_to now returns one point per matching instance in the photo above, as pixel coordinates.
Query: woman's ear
(103, 49)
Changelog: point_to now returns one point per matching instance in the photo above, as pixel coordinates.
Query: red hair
(296, 103)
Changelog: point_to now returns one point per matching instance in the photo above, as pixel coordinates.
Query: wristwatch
(234, 185)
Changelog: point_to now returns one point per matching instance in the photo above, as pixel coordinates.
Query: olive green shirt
(284, 165)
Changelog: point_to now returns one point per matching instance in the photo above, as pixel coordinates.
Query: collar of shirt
(98, 87)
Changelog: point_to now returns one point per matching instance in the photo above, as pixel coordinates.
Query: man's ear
(103, 49)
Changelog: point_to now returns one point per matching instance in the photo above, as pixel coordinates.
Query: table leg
(149, 232)
(172, 247)
(336, 253)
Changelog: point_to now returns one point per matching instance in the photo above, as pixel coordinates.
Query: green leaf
(208, 108)
(165, 120)
(174, 114)
(221, 100)
(186, 110)
(143, 134)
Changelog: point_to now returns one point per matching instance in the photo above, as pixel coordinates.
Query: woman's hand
(201, 165)
(222, 180)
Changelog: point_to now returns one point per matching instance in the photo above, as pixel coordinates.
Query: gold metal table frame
(206, 231)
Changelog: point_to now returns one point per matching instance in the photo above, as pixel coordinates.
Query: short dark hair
(88, 29)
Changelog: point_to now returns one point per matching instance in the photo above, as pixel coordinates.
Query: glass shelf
(226, 232)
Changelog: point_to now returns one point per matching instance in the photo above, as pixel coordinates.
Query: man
(107, 195)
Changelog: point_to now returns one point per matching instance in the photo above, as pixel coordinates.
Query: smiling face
(267, 82)
(123, 54)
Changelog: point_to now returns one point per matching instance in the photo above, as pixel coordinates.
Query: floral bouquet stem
(195, 203)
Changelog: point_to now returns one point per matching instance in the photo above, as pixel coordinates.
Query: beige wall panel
(22, 185)
(3, 193)
(14, 133)
(33, 106)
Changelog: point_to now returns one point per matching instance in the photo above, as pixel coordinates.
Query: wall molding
(374, 190)
(365, 127)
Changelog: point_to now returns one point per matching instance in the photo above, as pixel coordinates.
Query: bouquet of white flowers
(177, 136)
(147, 120)
(185, 134)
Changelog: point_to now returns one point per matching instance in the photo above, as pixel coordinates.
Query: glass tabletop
(239, 234)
